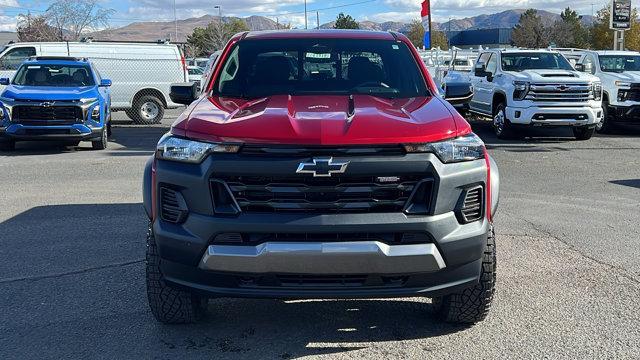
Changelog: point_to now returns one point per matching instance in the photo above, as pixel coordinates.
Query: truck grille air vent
(173, 208)
(326, 195)
(560, 92)
(472, 205)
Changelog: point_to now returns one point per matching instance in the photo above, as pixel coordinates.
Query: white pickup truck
(520, 88)
(619, 72)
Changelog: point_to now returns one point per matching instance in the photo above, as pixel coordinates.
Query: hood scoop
(557, 75)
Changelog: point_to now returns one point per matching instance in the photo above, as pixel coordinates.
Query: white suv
(534, 88)
(619, 72)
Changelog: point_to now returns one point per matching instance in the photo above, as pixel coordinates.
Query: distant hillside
(505, 19)
(151, 31)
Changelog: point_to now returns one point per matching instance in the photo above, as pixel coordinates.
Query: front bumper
(191, 257)
(61, 132)
(624, 114)
(554, 115)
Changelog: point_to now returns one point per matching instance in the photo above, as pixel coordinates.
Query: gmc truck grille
(47, 115)
(336, 194)
(560, 92)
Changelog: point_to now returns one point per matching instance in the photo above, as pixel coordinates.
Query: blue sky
(290, 11)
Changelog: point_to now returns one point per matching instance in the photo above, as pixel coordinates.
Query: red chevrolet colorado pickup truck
(320, 164)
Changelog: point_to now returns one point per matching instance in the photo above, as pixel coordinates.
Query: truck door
(479, 101)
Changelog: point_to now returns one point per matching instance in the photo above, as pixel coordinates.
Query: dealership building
(466, 39)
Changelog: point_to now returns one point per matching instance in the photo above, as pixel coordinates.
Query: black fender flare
(147, 187)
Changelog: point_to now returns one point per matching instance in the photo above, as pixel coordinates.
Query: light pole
(305, 14)
(219, 13)
(175, 18)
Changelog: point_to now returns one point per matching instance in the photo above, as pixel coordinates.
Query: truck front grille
(330, 195)
(560, 92)
(47, 115)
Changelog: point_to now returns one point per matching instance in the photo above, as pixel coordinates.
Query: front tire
(7, 145)
(169, 305)
(605, 125)
(583, 132)
(103, 142)
(471, 305)
(501, 125)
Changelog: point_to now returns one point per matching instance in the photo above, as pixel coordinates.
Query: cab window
(12, 59)
(492, 65)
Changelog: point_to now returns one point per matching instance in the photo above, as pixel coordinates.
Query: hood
(627, 76)
(19, 92)
(319, 120)
(552, 76)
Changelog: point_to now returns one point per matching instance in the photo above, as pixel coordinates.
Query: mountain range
(151, 31)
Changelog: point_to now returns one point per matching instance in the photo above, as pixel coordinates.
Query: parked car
(55, 98)
(619, 72)
(519, 88)
(141, 72)
(318, 165)
(210, 65)
(195, 74)
(200, 62)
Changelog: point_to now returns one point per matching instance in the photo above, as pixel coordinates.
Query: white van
(142, 73)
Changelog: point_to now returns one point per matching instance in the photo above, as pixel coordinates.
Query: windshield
(195, 71)
(258, 68)
(535, 60)
(54, 75)
(619, 63)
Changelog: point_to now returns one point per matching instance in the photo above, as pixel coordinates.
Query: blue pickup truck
(55, 98)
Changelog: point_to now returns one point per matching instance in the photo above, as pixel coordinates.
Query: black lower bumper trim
(215, 284)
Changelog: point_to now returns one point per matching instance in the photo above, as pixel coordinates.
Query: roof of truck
(323, 34)
(616, 52)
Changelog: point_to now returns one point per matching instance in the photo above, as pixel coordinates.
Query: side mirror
(105, 82)
(580, 67)
(4, 81)
(184, 93)
(480, 69)
(458, 93)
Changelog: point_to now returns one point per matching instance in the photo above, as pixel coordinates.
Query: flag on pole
(426, 23)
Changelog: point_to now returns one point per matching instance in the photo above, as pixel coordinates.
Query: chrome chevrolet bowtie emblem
(47, 103)
(562, 87)
(322, 167)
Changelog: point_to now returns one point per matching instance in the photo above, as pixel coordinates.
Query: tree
(72, 18)
(345, 22)
(530, 32)
(602, 36)
(439, 40)
(416, 33)
(34, 28)
(569, 31)
(204, 41)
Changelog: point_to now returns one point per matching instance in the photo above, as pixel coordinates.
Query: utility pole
(318, 20)
(219, 13)
(449, 34)
(175, 19)
(305, 14)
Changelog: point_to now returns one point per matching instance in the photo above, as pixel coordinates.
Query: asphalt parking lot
(72, 244)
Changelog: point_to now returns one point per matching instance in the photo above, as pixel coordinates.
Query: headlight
(464, 148)
(623, 83)
(95, 113)
(88, 100)
(597, 91)
(520, 89)
(179, 149)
